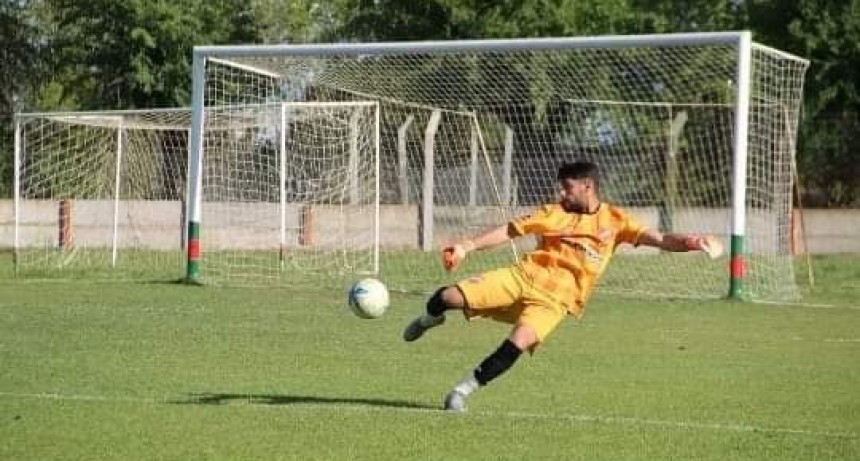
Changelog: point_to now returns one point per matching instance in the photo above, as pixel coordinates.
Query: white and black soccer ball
(368, 298)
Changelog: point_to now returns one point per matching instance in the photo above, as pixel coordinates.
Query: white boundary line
(810, 305)
(361, 407)
(826, 340)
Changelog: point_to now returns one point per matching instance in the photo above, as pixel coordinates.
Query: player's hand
(707, 244)
(453, 255)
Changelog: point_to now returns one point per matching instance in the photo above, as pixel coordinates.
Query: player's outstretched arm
(682, 242)
(453, 255)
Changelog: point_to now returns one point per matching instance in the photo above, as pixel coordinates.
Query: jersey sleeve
(533, 223)
(629, 228)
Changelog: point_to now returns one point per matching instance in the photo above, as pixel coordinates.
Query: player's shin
(491, 368)
(498, 362)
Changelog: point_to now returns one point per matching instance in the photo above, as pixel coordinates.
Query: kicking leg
(523, 337)
(478, 296)
(445, 298)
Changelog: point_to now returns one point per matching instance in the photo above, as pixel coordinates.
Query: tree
(827, 33)
(132, 54)
(108, 54)
(688, 15)
(137, 53)
(390, 20)
(20, 53)
(291, 21)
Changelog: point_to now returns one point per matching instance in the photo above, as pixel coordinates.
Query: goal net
(99, 191)
(287, 185)
(693, 133)
(291, 189)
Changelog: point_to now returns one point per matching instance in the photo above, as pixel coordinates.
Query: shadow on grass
(276, 399)
(180, 281)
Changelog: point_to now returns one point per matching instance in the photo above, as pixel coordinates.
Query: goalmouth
(695, 133)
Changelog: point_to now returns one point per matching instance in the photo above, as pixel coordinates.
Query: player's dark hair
(579, 170)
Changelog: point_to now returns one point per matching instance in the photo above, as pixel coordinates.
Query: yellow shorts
(504, 295)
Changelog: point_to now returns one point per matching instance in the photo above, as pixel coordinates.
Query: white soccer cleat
(455, 402)
(417, 327)
(712, 246)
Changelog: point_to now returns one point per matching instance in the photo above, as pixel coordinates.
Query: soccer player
(577, 237)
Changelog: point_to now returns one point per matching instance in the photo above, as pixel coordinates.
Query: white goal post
(104, 193)
(99, 191)
(693, 132)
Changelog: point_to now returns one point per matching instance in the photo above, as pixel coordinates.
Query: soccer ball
(368, 298)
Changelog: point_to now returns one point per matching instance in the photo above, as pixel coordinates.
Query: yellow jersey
(573, 249)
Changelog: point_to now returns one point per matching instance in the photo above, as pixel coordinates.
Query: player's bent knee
(453, 297)
(524, 337)
(443, 299)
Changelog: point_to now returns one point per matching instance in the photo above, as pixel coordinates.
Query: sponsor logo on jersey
(591, 255)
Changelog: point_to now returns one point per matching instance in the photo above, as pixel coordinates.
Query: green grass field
(155, 370)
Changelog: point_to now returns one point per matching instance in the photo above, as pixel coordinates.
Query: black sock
(497, 363)
(435, 305)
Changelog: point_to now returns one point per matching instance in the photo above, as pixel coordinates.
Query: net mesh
(470, 138)
(286, 186)
(289, 189)
(466, 140)
(100, 191)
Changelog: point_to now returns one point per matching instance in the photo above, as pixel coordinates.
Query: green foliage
(827, 33)
(137, 53)
(19, 53)
(689, 15)
(21, 58)
(294, 21)
(382, 20)
(829, 158)
(107, 54)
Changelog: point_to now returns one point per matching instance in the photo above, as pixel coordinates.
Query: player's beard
(572, 206)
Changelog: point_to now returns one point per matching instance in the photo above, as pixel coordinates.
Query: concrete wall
(157, 225)
(828, 231)
(154, 225)
(258, 226)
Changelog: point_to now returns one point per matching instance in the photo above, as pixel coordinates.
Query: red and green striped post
(737, 267)
(192, 268)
